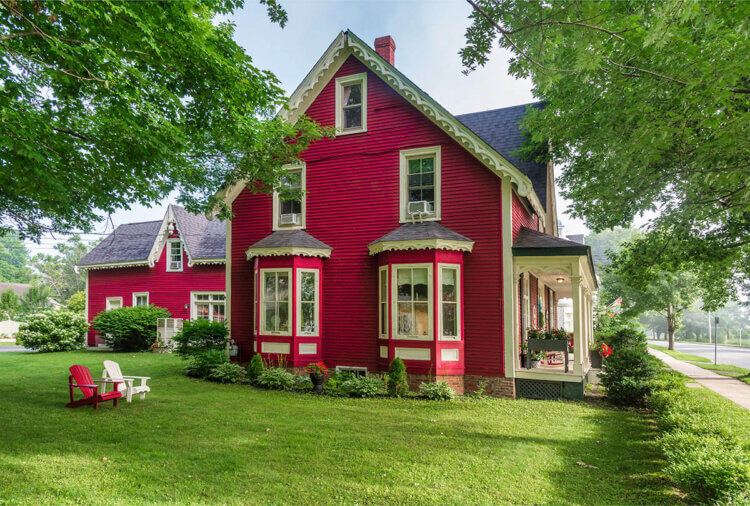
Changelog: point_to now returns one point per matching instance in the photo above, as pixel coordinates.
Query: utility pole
(716, 338)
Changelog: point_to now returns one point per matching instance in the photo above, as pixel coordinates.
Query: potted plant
(541, 340)
(318, 372)
(536, 358)
(598, 352)
(160, 347)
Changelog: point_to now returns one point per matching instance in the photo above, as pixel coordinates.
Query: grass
(7, 343)
(197, 442)
(732, 371)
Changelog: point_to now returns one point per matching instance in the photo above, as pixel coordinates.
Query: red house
(418, 235)
(176, 263)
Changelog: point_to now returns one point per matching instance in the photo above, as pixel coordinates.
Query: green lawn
(7, 343)
(733, 371)
(192, 441)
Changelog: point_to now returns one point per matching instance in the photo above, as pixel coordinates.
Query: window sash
(308, 302)
(275, 307)
(175, 255)
(209, 306)
(293, 205)
(450, 302)
(383, 302)
(140, 299)
(412, 311)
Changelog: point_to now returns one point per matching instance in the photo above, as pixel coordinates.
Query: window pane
(291, 207)
(404, 318)
(283, 286)
(428, 179)
(428, 194)
(449, 284)
(218, 297)
(420, 284)
(270, 291)
(218, 315)
(308, 286)
(428, 164)
(421, 319)
(283, 316)
(307, 323)
(353, 94)
(270, 316)
(449, 319)
(415, 167)
(404, 284)
(202, 311)
(383, 318)
(353, 117)
(383, 286)
(415, 195)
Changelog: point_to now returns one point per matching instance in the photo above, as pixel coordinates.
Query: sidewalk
(733, 389)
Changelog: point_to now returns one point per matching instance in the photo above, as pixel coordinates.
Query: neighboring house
(20, 289)
(419, 235)
(176, 263)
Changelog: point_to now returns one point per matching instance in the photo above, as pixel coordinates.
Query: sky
(428, 35)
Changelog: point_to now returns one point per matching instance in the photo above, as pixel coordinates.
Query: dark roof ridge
(538, 102)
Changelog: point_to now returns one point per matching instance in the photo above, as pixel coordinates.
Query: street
(732, 355)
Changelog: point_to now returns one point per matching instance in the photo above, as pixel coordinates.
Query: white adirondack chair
(112, 372)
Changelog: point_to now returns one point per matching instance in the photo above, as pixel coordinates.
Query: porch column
(578, 332)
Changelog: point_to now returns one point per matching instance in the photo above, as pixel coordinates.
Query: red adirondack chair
(80, 377)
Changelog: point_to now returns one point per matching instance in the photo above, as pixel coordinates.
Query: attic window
(351, 104)
(174, 261)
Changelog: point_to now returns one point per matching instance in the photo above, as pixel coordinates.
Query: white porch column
(509, 308)
(578, 332)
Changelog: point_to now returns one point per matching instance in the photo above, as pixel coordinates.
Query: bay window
(413, 302)
(275, 311)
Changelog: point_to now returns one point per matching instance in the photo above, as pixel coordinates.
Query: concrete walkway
(733, 389)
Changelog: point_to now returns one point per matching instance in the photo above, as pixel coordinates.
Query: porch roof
(530, 242)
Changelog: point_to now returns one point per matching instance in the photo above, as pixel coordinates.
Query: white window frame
(341, 82)
(276, 225)
(383, 329)
(169, 254)
(109, 302)
(430, 302)
(140, 294)
(194, 305)
(262, 310)
(298, 302)
(459, 308)
(404, 157)
(255, 302)
(357, 371)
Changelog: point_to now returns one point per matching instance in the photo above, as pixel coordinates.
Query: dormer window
(420, 184)
(289, 202)
(174, 259)
(351, 104)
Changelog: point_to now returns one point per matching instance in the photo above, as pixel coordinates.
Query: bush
(255, 368)
(53, 331)
(198, 336)
(227, 373)
(438, 391)
(363, 386)
(129, 328)
(397, 383)
(302, 384)
(629, 370)
(201, 364)
(275, 379)
(77, 302)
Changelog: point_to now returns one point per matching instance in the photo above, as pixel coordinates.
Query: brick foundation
(496, 387)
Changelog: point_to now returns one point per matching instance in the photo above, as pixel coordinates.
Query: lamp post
(716, 340)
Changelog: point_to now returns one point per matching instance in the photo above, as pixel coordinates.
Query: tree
(36, 298)
(77, 302)
(14, 258)
(59, 272)
(104, 104)
(647, 111)
(606, 241)
(9, 302)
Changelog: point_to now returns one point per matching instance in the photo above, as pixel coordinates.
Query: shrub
(201, 364)
(275, 379)
(129, 328)
(227, 373)
(438, 391)
(363, 386)
(397, 383)
(255, 368)
(77, 302)
(53, 331)
(302, 384)
(335, 381)
(197, 336)
(629, 370)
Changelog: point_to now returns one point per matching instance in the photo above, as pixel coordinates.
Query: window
(175, 255)
(255, 301)
(114, 303)
(140, 299)
(420, 184)
(307, 301)
(413, 302)
(357, 372)
(450, 299)
(351, 104)
(209, 306)
(275, 306)
(289, 208)
(383, 303)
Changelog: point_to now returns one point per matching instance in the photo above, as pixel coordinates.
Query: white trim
(275, 348)
(228, 277)
(298, 297)
(404, 156)
(86, 301)
(430, 302)
(341, 82)
(287, 251)
(170, 242)
(140, 294)
(510, 296)
(383, 329)
(417, 244)
(449, 354)
(204, 261)
(210, 302)
(261, 308)
(412, 353)
(351, 368)
(115, 265)
(384, 352)
(276, 217)
(109, 300)
(459, 309)
(308, 348)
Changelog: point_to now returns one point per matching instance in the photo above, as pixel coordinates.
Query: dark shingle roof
(421, 231)
(131, 242)
(290, 239)
(500, 129)
(203, 238)
(528, 241)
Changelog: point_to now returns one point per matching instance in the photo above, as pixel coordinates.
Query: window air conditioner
(421, 207)
(290, 219)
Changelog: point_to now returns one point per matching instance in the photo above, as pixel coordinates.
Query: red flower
(605, 350)
(317, 368)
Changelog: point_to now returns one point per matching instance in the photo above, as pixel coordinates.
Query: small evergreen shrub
(227, 373)
(197, 336)
(629, 370)
(201, 364)
(397, 383)
(53, 331)
(129, 328)
(363, 386)
(275, 379)
(438, 391)
(255, 368)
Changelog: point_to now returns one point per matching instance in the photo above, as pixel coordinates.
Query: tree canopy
(647, 111)
(105, 104)
(58, 271)
(14, 259)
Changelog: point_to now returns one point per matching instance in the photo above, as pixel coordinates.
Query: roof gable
(130, 243)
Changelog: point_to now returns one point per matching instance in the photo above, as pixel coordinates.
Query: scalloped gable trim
(379, 247)
(345, 44)
(287, 251)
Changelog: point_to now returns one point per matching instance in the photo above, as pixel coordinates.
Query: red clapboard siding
(353, 199)
(166, 289)
(522, 217)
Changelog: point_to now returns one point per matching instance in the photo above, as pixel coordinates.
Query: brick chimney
(386, 48)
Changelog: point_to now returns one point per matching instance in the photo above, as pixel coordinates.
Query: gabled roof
(423, 235)
(289, 242)
(141, 243)
(500, 128)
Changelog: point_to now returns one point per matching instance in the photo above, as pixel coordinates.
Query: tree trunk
(671, 324)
